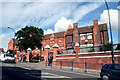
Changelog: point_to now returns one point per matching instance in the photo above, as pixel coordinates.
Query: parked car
(110, 72)
(7, 58)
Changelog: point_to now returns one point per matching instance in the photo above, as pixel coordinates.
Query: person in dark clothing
(51, 59)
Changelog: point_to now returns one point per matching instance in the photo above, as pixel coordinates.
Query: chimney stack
(96, 31)
(75, 33)
(75, 25)
(95, 22)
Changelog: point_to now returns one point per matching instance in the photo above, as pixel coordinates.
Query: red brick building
(12, 43)
(94, 35)
(1, 50)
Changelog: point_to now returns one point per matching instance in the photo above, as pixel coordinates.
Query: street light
(118, 7)
(14, 37)
(113, 59)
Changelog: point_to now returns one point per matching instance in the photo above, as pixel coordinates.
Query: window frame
(60, 39)
(81, 36)
(90, 36)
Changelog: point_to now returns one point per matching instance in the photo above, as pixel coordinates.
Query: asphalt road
(12, 72)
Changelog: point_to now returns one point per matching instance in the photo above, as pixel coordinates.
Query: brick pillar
(46, 54)
(28, 53)
(75, 33)
(17, 55)
(27, 56)
(96, 31)
(77, 50)
(54, 54)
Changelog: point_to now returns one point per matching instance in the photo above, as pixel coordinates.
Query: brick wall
(94, 60)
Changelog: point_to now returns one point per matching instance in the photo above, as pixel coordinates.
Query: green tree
(106, 47)
(29, 37)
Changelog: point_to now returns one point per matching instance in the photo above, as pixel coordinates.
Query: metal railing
(71, 65)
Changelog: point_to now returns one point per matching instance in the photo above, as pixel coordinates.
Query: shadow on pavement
(17, 73)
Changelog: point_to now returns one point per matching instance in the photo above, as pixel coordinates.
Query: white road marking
(50, 75)
(26, 68)
(46, 75)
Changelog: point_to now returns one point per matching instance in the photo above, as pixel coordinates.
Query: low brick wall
(94, 60)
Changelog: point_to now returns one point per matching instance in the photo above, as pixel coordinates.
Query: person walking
(51, 60)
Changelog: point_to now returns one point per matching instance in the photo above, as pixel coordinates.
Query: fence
(67, 51)
(71, 65)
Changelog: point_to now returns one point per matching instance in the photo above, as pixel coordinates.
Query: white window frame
(81, 36)
(60, 39)
(89, 45)
(82, 45)
(89, 37)
(52, 41)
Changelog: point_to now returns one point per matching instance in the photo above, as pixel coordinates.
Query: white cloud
(114, 23)
(48, 31)
(4, 39)
(62, 24)
(75, 13)
(81, 11)
(113, 18)
(43, 14)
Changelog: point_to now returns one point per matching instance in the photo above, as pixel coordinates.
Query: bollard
(60, 64)
(85, 67)
(46, 63)
(72, 66)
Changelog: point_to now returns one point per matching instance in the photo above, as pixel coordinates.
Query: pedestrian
(41, 59)
(51, 59)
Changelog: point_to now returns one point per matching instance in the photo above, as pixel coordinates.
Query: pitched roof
(15, 40)
(57, 35)
(86, 29)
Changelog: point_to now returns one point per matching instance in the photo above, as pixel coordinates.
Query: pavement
(43, 66)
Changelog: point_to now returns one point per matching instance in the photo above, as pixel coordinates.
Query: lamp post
(14, 38)
(118, 7)
(113, 59)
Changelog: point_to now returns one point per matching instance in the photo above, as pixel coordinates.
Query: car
(7, 58)
(110, 72)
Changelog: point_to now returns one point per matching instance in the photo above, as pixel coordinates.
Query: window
(44, 41)
(115, 67)
(106, 66)
(51, 41)
(62, 45)
(60, 40)
(89, 35)
(83, 36)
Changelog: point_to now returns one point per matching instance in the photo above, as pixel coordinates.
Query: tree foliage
(29, 37)
(106, 47)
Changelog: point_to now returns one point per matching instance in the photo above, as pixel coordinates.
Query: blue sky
(54, 16)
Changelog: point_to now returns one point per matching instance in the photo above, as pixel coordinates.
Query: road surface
(13, 72)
